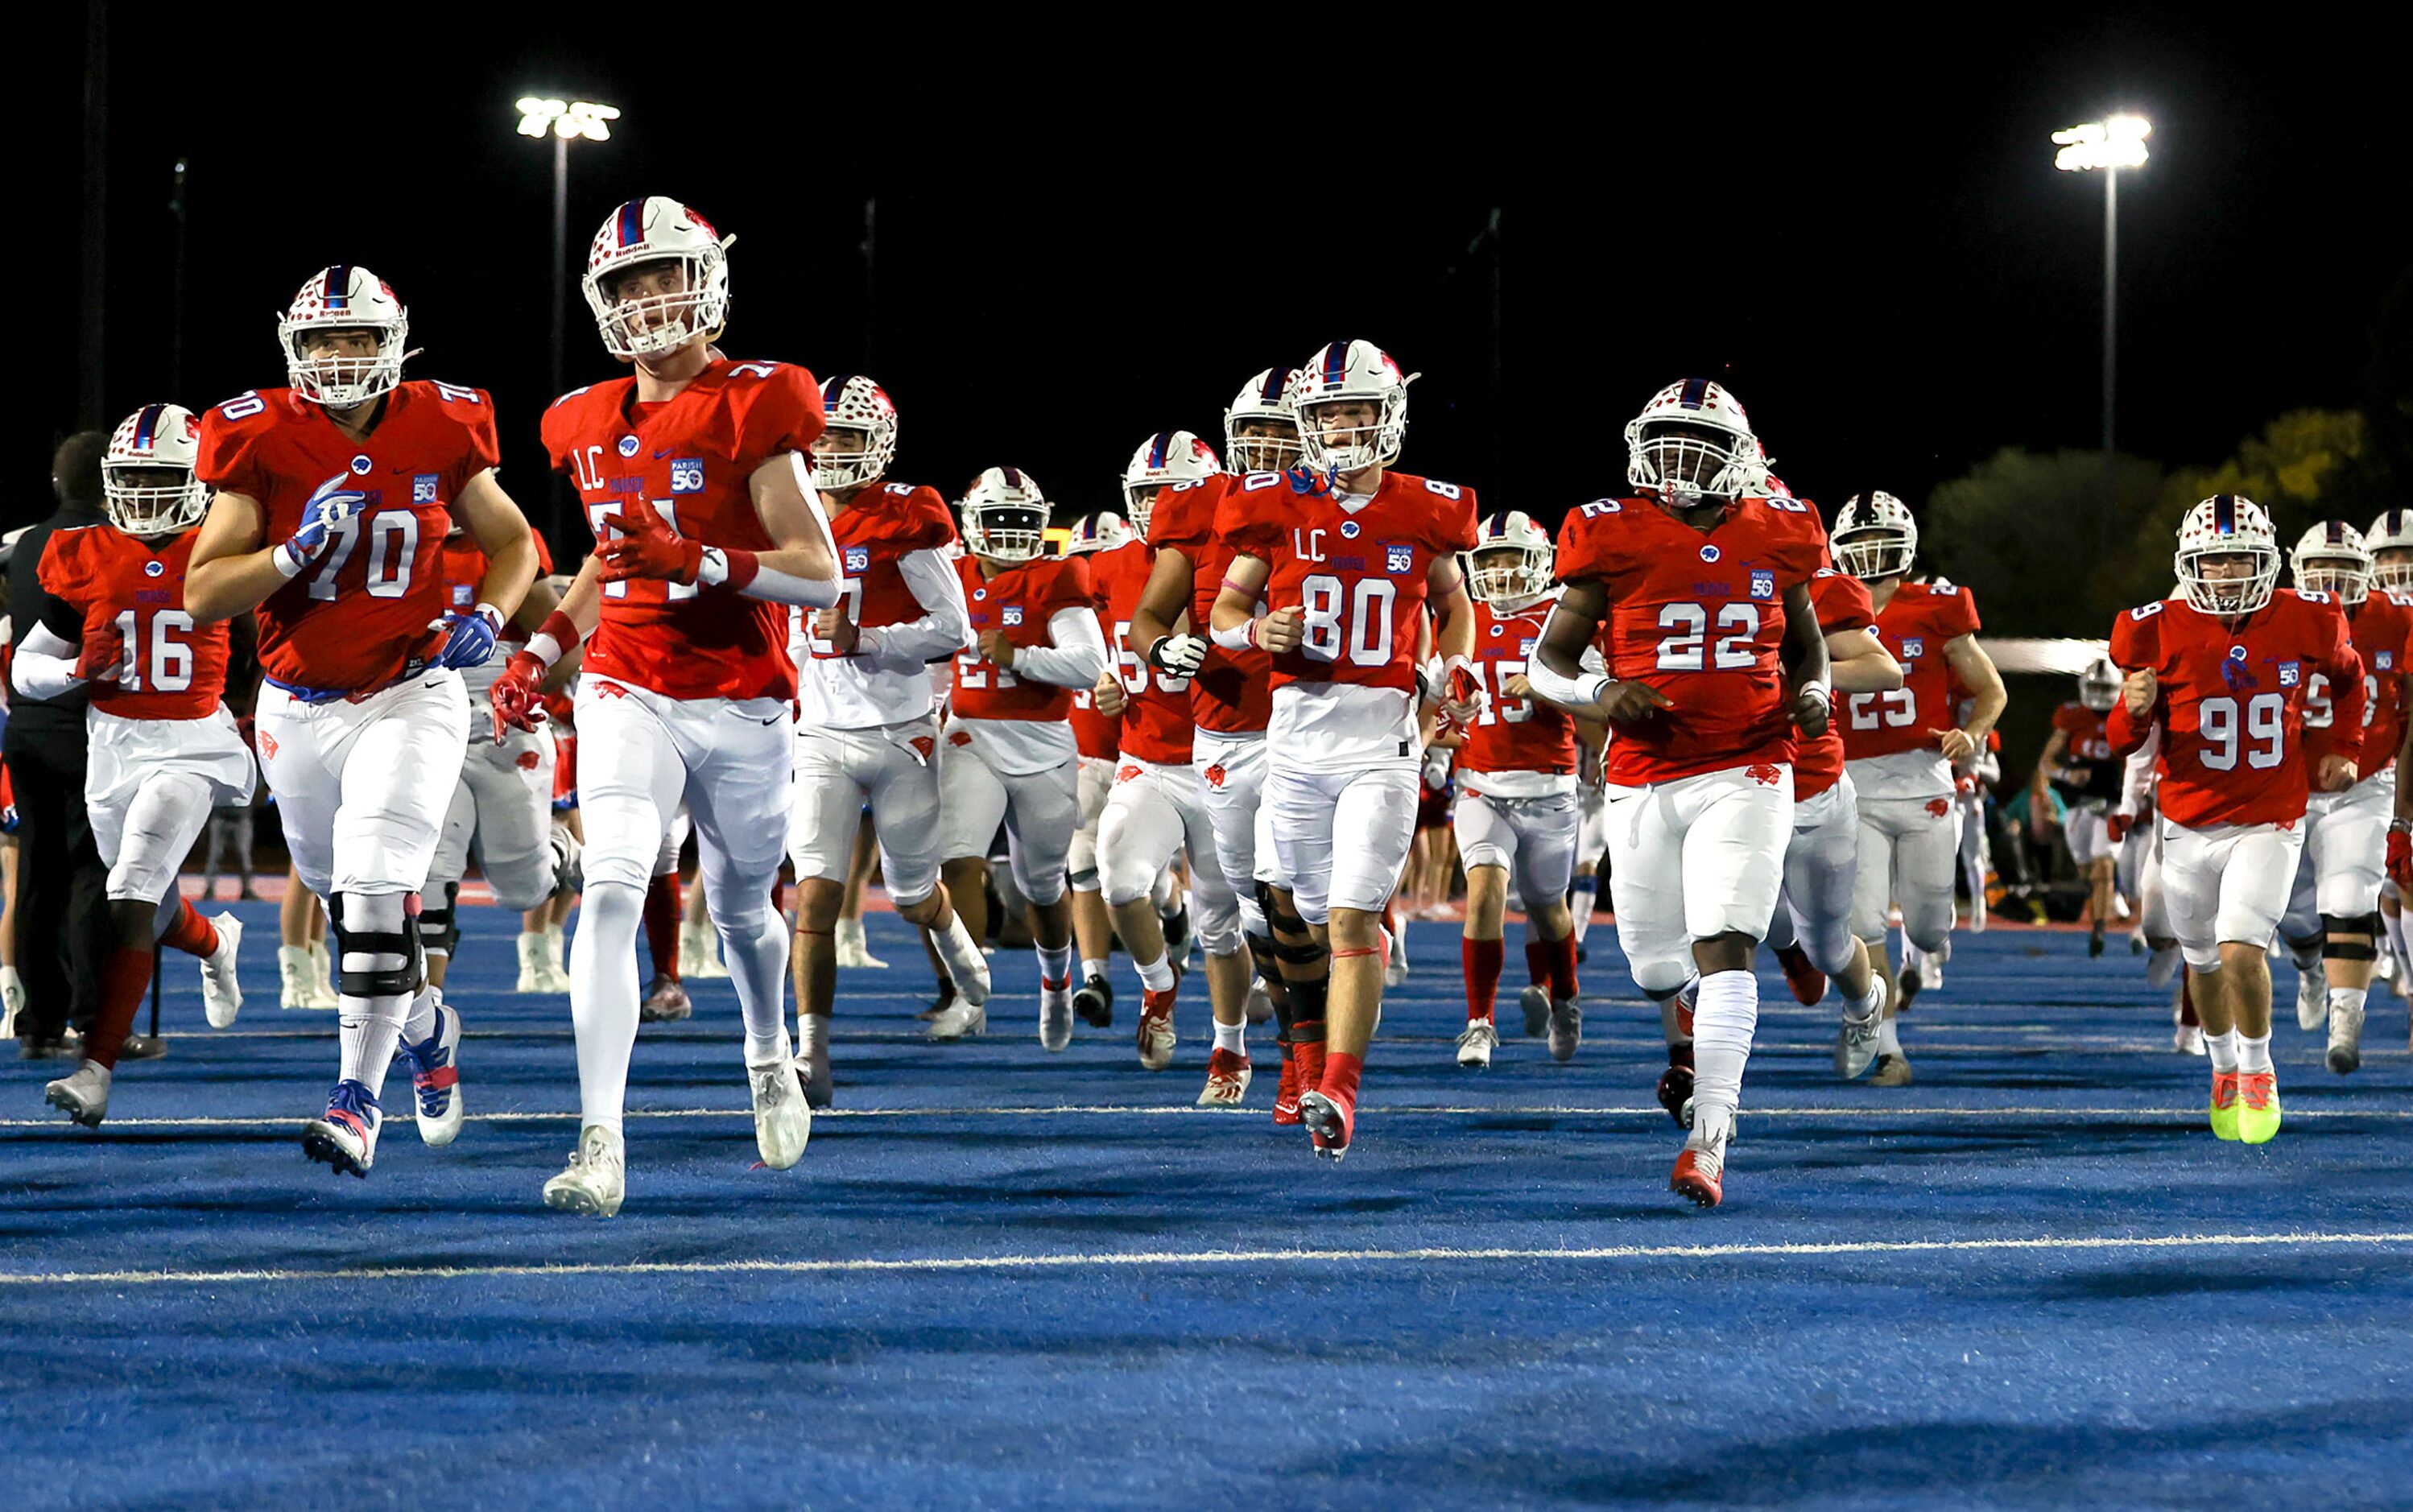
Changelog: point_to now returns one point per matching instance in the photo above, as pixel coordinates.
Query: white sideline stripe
(1874, 1112)
(1206, 1257)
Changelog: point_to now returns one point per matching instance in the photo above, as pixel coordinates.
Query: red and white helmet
(2227, 524)
(1692, 442)
(1102, 531)
(1163, 459)
(861, 408)
(2330, 557)
(1875, 537)
(345, 297)
(2098, 686)
(1511, 562)
(1005, 516)
(1350, 372)
(147, 480)
(2392, 532)
(658, 229)
(1263, 403)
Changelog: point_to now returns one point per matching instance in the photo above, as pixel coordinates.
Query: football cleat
(221, 989)
(1260, 1005)
(82, 1094)
(1566, 1029)
(1055, 1015)
(436, 1078)
(2095, 943)
(666, 1002)
(1676, 1093)
(323, 977)
(296, 977)
(1329, 1121)
(1701, 1168)
(852, 950)
(1475, 1043)
(2226, 1096)
(940, 1004)
(345, 1136)
(813, 1071)
(596, 1178)
(2257, 1106)
(1093, 1001)
(2346, 1038)
(1156, 1037)
(1286, 1091)
(1227, 1080)
(1535, 1000)
(2312, 1000)
(1892, 1071)
(1909, 985)
(1395, 957)
(1855, 1045)
(1808, 983)
(532, 975)
(783, 1121)
(957, 1019)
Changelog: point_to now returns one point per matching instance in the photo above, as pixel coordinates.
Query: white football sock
(1055, 964)
(603, 993)
(1232, 1037)
(419, 1022)
(2253, 1055)
(961, 955)
(1889, 1038)
(2223, 1049)
(2348, 998)
(1093, 969)
(1723, 1022)
(1579, 903)
(754, 947)
(1156, 975)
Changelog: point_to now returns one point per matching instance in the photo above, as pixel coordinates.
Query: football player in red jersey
(695, 476)
(1007, 754)
(1515, 817)
(2078, 764)
(2334, 906)
(1714, 657)
(1157, 810)
(1333, 566)
(334, 498)
(1098, 735)
(868, 736)
(2389, 540)
(1899, 747)
(504, 800)
(2224, 670)
(164, 749)
(1230, 703)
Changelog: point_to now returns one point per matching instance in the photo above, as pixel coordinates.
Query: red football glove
(103, 657)
(646, 547)
(517, 703)
(2117, 826)
(2400, 860)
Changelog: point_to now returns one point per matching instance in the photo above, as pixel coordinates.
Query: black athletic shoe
(1094, 1001)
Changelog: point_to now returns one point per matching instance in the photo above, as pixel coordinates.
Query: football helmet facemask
(341, 298)
(1875, 537)
(2392, 532)
(1005, 516)
(2332, 559)
(2098, 686)
(1511, 563)
(1263, 405)
(1357, 375)
(859, 437)
(2221, 528)
(637, 237)
(1692, 445)
(147, 481)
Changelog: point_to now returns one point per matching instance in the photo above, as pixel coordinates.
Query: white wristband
(1238, 637)
(286, 562)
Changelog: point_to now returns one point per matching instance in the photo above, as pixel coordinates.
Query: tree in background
(2027, 530)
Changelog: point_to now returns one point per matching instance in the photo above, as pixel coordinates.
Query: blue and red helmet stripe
(833, 390)
(1157, 450)
(2336, 532)
(632, 223)
(339, 282)
(1336, 365)
(2224, 513)
(1013, 477)
(1275, 382)
(1696, 393)
(146, 426)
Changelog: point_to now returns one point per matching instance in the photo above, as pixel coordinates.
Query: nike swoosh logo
(664, 452)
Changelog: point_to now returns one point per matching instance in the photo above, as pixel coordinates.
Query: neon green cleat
(2224, 1103)
(2257, 1106)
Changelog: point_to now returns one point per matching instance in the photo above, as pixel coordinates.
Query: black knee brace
(1281, 920)
(439, 932)
(2340, 945)
(382, 983)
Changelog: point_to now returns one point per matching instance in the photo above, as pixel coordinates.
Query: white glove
(1436, 767)
(12, 999)
(1177, 656)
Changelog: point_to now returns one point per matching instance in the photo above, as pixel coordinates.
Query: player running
(2079, 765)
(1098, 736)
(2224, 670)
(335, 495)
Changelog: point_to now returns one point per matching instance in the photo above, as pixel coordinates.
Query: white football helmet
(2332, 559)
(1005, 516)
(2392, 531)
(343, 297)
(1511, 563)
(2098, 686)
(1875, 537)
(658, 229)
(1262, 402)
(1102, 531)
(2227, 524)
(1692, 443)
(146, 475)
(1350, 372)
(862, 410)
(1165, 458)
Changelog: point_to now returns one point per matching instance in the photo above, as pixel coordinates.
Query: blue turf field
(1005, 1278)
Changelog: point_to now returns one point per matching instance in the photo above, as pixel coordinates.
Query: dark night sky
(1086, 236)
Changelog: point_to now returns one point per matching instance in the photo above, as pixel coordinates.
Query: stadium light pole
(2108, 145)
(564, 122)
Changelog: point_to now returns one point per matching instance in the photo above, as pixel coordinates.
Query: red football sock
(1482, 959)
(663, 908)
(1537, 959)
(1562, 968)
(1306, 1048)
(1341, 1073)
(123, 979)
(191, 933)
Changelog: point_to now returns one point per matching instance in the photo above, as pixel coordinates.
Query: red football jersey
(1156, 721)
(1098, 735)
(883, 527)
(357, 617)
(175, 670)
(1514, 735)
(1360, 576)
(464, 568)
(1020, 602)
(1842, 604)
(1233, 694)
(1914, 625)
(691, 458)
(1701, 616)
(2377, 627)
(2090, 767)
(2231, 702)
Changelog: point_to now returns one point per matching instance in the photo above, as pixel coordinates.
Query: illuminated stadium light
(567, 119)
(2118, 142)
